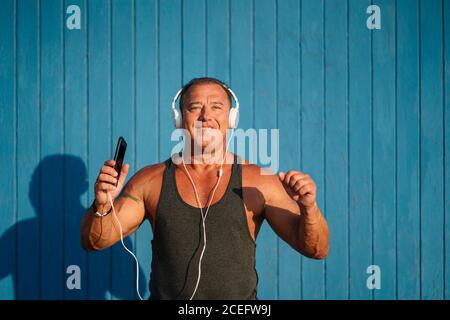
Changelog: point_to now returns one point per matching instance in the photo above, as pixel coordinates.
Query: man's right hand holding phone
(106, 182)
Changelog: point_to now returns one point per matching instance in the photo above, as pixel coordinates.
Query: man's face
(208, 105)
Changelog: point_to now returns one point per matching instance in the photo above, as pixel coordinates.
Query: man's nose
(204, 114)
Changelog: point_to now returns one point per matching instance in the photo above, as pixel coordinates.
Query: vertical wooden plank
(170, 69)
(147, 129)
(312, 127)
(446, 39)
(241, 70)
(8, 114)
(28, 175)
(288, 60)
(336, 147)
(217, 30)
(384, 192)
(75, 146)
(241, 54)
(241, 66)
(360, 153)
(123, 119)
(170, 60)
(265, 118)
(99, 115)
(408, 144)
(194, 39)
(431, 154)
(51, 166)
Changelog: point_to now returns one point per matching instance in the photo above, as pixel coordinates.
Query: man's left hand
(300, 188)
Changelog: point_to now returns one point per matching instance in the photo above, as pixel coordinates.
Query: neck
(204, 157)
(205, 163)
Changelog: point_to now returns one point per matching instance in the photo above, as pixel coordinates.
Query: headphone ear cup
(176, 118)
(233, 118)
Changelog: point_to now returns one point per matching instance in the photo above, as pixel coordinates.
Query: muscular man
(244, 197)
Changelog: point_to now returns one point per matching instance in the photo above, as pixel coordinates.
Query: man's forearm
(95, 230)
(313, 233)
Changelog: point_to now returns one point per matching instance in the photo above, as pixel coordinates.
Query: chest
(206, 186)
(253, 199)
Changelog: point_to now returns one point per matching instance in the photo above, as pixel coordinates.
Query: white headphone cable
(207, 209)
(125, 247)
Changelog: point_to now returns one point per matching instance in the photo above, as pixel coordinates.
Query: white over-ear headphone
(233, 118)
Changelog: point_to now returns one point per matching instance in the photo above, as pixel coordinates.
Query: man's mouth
(207, 129)
(207, 133)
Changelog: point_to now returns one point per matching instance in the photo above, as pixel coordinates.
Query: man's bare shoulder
(258, 182)
(146, 177)
(255, 175)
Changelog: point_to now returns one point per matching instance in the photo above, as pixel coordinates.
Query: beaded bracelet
(100, 214)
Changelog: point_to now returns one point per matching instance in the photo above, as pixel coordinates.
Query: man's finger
(288, 176)
(292, 177)
(300, 183)
(306, 189)
(124, 172)
(298, 177)
(110, 163)
(108, 170)
(105, 186)
(106, 178)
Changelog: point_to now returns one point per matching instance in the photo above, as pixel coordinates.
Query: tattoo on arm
(128, 195)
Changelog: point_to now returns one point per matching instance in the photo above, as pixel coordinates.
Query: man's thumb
(281, 175)
(124, 172)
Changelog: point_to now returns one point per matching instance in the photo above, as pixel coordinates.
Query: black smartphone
(119, 155)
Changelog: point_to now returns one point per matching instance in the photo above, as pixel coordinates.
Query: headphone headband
(177, 95)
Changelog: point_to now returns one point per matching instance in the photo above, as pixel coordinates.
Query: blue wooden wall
(365, 112)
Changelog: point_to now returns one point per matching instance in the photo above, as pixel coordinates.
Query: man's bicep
(130, 209)
(282, 213)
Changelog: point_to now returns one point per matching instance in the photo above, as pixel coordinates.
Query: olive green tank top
(228, 267)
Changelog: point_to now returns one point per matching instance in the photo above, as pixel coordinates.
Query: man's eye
(217, 107)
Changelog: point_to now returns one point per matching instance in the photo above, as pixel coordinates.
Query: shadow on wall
(49, 242)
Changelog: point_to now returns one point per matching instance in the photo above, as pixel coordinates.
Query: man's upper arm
(281, 211)
(130, 205)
